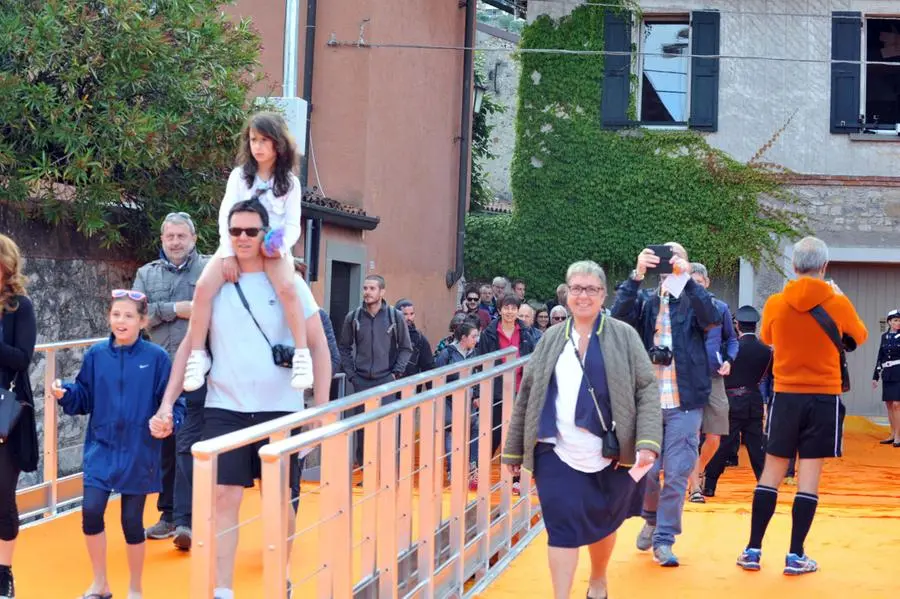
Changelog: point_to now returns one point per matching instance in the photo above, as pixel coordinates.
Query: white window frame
(864, 62)
(639, 66)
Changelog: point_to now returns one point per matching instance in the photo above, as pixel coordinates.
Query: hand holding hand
(162, 424)
(725, 369)
(230, 269)
(57, 390)
(646, 259)
(646, 457)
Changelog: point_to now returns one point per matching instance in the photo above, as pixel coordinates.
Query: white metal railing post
(337, 534)
(51, 434)
(427, 521)
(369, 547)
(277, 505)
(405, 479)
(459, 484)
(485, 434)
(509, 382)
(203, 552)
(387, 509)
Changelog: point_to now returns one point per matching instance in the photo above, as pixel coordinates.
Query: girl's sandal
(96, 596)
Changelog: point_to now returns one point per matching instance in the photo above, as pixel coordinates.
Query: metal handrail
(493, 536)
(43, 499)
(206, 453)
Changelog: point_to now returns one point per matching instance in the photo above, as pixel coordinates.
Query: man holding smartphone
(672, 326)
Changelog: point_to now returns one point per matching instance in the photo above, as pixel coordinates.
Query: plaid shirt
(665, 375)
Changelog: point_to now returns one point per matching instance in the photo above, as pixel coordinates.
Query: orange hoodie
(806, 360)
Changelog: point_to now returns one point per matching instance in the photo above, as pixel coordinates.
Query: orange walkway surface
(855, 539)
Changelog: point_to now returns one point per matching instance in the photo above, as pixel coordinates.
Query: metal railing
(53, 492)
(206, 454)
(476, 552)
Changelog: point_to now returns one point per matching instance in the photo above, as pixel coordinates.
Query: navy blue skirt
(582, 508)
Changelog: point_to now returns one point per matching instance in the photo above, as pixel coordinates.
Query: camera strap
(587, 379)
(250, 312)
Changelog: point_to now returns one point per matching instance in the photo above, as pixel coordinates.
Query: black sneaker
(7, 585)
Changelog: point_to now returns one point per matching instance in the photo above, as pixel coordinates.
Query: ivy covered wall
(582, 191)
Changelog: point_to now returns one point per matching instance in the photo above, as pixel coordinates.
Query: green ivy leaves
(581, 191)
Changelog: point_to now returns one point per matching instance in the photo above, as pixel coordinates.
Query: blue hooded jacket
(120, 388)
(721, 340)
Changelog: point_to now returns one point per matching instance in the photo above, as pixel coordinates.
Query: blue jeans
(681, 441)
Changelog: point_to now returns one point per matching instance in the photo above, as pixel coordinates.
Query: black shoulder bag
(282, 355)
(10, 411)
(827, 323)
(610, 449)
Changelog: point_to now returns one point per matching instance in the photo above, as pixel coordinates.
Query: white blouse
(576, 446)
(284, 211)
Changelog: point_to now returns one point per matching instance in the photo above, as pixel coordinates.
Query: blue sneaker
(662, 554)
(795, 565)
(749, 560)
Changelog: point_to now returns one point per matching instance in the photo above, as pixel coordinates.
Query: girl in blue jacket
(120, 386)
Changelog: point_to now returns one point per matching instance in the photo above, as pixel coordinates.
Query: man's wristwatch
(634, 276)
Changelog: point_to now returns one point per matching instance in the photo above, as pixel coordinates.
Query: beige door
(874, 289)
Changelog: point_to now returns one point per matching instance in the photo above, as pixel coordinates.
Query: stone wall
(69, 279)
(503, 83)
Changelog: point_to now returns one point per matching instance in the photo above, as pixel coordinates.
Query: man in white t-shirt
(245, 386)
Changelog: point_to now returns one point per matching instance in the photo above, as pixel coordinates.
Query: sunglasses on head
(181, 214)
(250, 231)
(129, 293)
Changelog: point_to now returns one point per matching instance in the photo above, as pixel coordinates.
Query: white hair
(586, 267)
(699, 269)
(559, 310)
(810, 256)
(178, 218)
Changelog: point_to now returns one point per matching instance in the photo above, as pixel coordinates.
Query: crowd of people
(664, 380)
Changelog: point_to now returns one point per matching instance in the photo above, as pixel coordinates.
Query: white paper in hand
(674, 284)
(638, 472)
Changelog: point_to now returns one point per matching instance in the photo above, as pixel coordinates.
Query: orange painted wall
(385, 127)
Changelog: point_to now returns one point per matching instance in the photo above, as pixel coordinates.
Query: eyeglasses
(558, 318)
(130, 294)
(472, 299)
(590, 291)
(250, 231)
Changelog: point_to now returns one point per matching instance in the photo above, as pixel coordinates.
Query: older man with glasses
(168, 282)
(557, 315)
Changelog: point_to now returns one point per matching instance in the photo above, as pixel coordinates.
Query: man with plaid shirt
(679, 324)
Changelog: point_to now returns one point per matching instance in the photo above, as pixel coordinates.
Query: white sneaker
(198, 365)
(302, 373)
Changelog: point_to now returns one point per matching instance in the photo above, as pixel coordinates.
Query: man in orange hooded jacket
(807, 415)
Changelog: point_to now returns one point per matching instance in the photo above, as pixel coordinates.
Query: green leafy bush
(116, 112)
(581, 191)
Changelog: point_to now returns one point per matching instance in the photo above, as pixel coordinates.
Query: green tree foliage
(116, 112)
(581, 191)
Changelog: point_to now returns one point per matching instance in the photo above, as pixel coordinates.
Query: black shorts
(240, 467)
(806, 424)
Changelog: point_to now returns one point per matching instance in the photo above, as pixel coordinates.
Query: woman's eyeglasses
(129, 293)
(590, 291)
(250, 231)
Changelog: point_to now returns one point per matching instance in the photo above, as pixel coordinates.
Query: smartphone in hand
(665, 255)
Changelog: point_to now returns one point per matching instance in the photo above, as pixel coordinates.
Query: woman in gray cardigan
(588, 408)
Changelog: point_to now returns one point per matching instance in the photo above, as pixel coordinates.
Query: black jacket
(888, 351)
(16, 349)
(490, 342)
(421, 360)
(692, 314)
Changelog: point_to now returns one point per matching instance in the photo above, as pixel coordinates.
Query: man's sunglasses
(472, 299)
(558, 318)
(250, 231)
(130, 294)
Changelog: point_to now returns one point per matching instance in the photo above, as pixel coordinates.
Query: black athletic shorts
(806, 424)
(240, 467)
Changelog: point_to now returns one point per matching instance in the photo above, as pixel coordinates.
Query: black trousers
(363, 384)
(191, 431)
(745, 426)
(165, 502)
(9, 511)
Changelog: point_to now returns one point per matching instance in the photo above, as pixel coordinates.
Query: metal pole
(51, 440)
(275, 506)
(291, 34)
(203, 552)
(427, 522)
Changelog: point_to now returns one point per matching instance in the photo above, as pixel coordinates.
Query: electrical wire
(649, 10)
(567, 52)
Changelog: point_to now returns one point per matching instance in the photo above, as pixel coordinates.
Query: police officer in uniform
(752, 366)
(887, 368)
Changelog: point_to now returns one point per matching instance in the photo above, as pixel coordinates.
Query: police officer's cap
(893, 314)
(749, 315)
